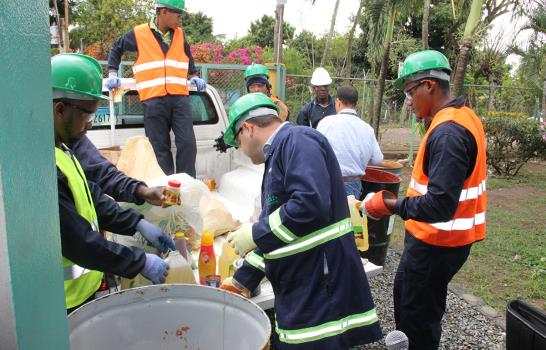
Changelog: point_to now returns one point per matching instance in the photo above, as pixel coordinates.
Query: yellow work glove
(241, 240)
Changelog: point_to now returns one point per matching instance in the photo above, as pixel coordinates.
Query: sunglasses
(411, 91)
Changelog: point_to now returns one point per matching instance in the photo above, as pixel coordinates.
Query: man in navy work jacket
(163, 70)
(303, 241)
(83, 207)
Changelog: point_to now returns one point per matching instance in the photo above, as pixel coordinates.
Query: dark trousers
(420, 290)
(162, 114)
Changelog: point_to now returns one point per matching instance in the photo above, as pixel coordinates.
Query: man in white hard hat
(322, 105)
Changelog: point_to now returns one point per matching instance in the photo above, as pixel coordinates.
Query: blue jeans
(353, 188)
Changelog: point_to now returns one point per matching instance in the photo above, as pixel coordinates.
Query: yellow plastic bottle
(225, 262)
(360, 224)
(207, 258)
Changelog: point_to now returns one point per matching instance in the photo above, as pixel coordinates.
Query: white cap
(320, 77)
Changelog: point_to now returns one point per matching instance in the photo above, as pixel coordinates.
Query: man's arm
(303, 116)
(88, 248)
(192, 71)
(111, 216)
(126, 43)
(377, 155)
(102, 172)
(450, 157)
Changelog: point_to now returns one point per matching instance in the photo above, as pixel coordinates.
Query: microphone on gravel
(397, 340)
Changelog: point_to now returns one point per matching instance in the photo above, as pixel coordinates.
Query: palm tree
(330, 35)
(466, 45)
(426, 13)
(378, 7)
(349, 55)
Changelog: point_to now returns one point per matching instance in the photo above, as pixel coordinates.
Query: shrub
(512, 142)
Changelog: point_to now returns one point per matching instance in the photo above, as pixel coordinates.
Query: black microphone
(397, 340)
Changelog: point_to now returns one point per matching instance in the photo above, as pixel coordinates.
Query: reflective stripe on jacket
(468, 224)
(157, 74)
(79, 283)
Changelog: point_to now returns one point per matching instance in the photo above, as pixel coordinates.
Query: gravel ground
(464, 327)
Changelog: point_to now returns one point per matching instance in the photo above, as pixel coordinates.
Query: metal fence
(229, 82)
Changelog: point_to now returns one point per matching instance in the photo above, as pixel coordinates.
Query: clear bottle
(207, 258)
(360, 224)
(179, 269)
(226, 260)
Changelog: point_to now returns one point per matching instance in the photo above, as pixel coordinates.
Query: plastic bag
(216, 217)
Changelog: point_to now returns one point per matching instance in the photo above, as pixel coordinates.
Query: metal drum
(175, 316)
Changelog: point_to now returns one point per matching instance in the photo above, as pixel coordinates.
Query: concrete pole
(32, 305)
(277, 45)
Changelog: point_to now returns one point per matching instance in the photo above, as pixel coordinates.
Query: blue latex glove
(199, 83)
(155, 269)
(113, 82)
(155, 236)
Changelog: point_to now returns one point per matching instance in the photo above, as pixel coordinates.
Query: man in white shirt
(352, 139)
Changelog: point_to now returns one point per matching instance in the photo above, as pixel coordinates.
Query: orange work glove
(235, 287)
(374, 205)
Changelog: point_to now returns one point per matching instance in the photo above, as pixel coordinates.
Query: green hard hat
(76, 76)
(431, 63)
(240, 109)
(256, 69)
(172, 4)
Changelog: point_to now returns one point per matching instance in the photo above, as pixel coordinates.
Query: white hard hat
(320, 77)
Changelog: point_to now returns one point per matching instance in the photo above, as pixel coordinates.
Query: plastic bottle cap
(174, 183)
(207, 238)
(179, 235)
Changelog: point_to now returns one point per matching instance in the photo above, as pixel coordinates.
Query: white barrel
(173, 316)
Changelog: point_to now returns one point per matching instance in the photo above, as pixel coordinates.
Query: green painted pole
(32, 306)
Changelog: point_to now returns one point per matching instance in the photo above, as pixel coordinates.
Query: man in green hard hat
(303, 241)
(163, 71)
(83, 207)
(257, 80)
(444, 210)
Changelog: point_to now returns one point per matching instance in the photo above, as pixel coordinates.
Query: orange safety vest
(157, 74)
(468, 224)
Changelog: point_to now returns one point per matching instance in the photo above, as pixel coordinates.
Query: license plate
(102, 117)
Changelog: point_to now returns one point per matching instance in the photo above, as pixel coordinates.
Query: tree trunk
(460, 68)
(464, 53)
(350, 41)
(544, 102)
(378, 101)
(330, 35)
(492, 90)
(377, 104)
(426, 12)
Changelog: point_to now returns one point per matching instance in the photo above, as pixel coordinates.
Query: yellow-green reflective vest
(79, 283)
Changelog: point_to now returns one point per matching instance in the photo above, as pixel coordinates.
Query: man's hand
(152, 195)
(374, 204)
(233, 286)
(199, 83)
(155, 236)
(155, 269)
(241, 240)
(113, 82)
